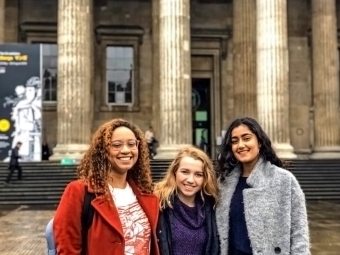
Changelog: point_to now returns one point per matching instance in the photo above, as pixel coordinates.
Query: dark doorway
(201, 132)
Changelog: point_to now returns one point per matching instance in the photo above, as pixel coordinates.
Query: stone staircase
(44, 182)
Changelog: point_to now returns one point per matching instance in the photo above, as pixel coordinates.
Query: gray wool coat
(275, 211)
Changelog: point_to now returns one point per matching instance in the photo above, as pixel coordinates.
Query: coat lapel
(255, 203)
(254, 208)
(227, 189)
(148, 202)
(109, 213)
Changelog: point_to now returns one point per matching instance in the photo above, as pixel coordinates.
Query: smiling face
(123, 150)
(244, 145)
(189, 179)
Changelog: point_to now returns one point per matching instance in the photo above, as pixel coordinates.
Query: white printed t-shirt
(136, 226)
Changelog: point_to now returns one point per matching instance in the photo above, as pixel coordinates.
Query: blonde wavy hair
(166, 188)
(95, 165)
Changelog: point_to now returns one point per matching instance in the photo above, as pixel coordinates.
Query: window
(120, 75)
(50, 56)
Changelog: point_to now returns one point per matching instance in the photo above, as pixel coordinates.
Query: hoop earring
(233, 161)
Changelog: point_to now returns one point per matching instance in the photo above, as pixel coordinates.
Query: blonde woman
(187, 196)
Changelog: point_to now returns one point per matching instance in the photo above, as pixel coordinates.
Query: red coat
(105, 236)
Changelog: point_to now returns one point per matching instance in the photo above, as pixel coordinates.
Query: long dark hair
(226, 160)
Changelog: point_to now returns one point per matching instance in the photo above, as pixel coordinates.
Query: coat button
(277, 250)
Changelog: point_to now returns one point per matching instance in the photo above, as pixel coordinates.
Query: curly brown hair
(94, 167)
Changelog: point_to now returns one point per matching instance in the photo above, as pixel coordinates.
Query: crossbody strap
(86, 218)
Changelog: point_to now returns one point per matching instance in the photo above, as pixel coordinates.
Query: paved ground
(22, 229)
(325, 228)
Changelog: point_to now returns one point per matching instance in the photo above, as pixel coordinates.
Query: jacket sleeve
(163, 232)
(299, 221)
(215, 245)
(67, 220)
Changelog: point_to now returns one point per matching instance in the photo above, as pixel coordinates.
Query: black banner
(20, 100)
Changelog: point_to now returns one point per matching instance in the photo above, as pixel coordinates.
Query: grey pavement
(22, 229)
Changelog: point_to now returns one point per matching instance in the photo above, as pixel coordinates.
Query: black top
(15, 157)
(238, 233)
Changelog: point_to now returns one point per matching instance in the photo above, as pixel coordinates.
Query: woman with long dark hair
(261, 207)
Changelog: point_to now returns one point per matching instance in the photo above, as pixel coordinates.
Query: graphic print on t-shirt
(136, 229)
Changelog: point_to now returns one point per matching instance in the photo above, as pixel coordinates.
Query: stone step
(318, 181)
(22, 194)
(299, 176)
(54, 200)
(47, 170)
(44, 182)
(322, 163)
(34, 201)
(165, 165)
(13, 194)
(13, 191)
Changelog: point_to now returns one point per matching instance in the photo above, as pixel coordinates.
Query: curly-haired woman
(116, 169)
(261, 207)
(187, 196)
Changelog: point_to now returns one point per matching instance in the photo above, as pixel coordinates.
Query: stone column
(244, 58)
(325, 80)
(2, 21)
(155, 68)
(74, 78)
(175, 78)
(272, 74)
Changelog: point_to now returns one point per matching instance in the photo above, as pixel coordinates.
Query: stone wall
(127, 14)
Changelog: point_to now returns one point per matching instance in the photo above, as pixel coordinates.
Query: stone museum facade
(187, 68)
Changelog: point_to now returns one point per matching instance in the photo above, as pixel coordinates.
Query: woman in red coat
(116, 169)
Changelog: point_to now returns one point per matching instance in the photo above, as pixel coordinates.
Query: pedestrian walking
(14, 163)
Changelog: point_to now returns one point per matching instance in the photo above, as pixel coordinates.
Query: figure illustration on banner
(26, 117)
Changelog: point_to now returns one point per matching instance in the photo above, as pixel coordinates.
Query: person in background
(150, 139)
(45, 151)
(14, 163)
(262, 208)
(116, 169)
(187, 195)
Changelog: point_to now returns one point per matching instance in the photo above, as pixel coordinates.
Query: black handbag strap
(86, 218)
